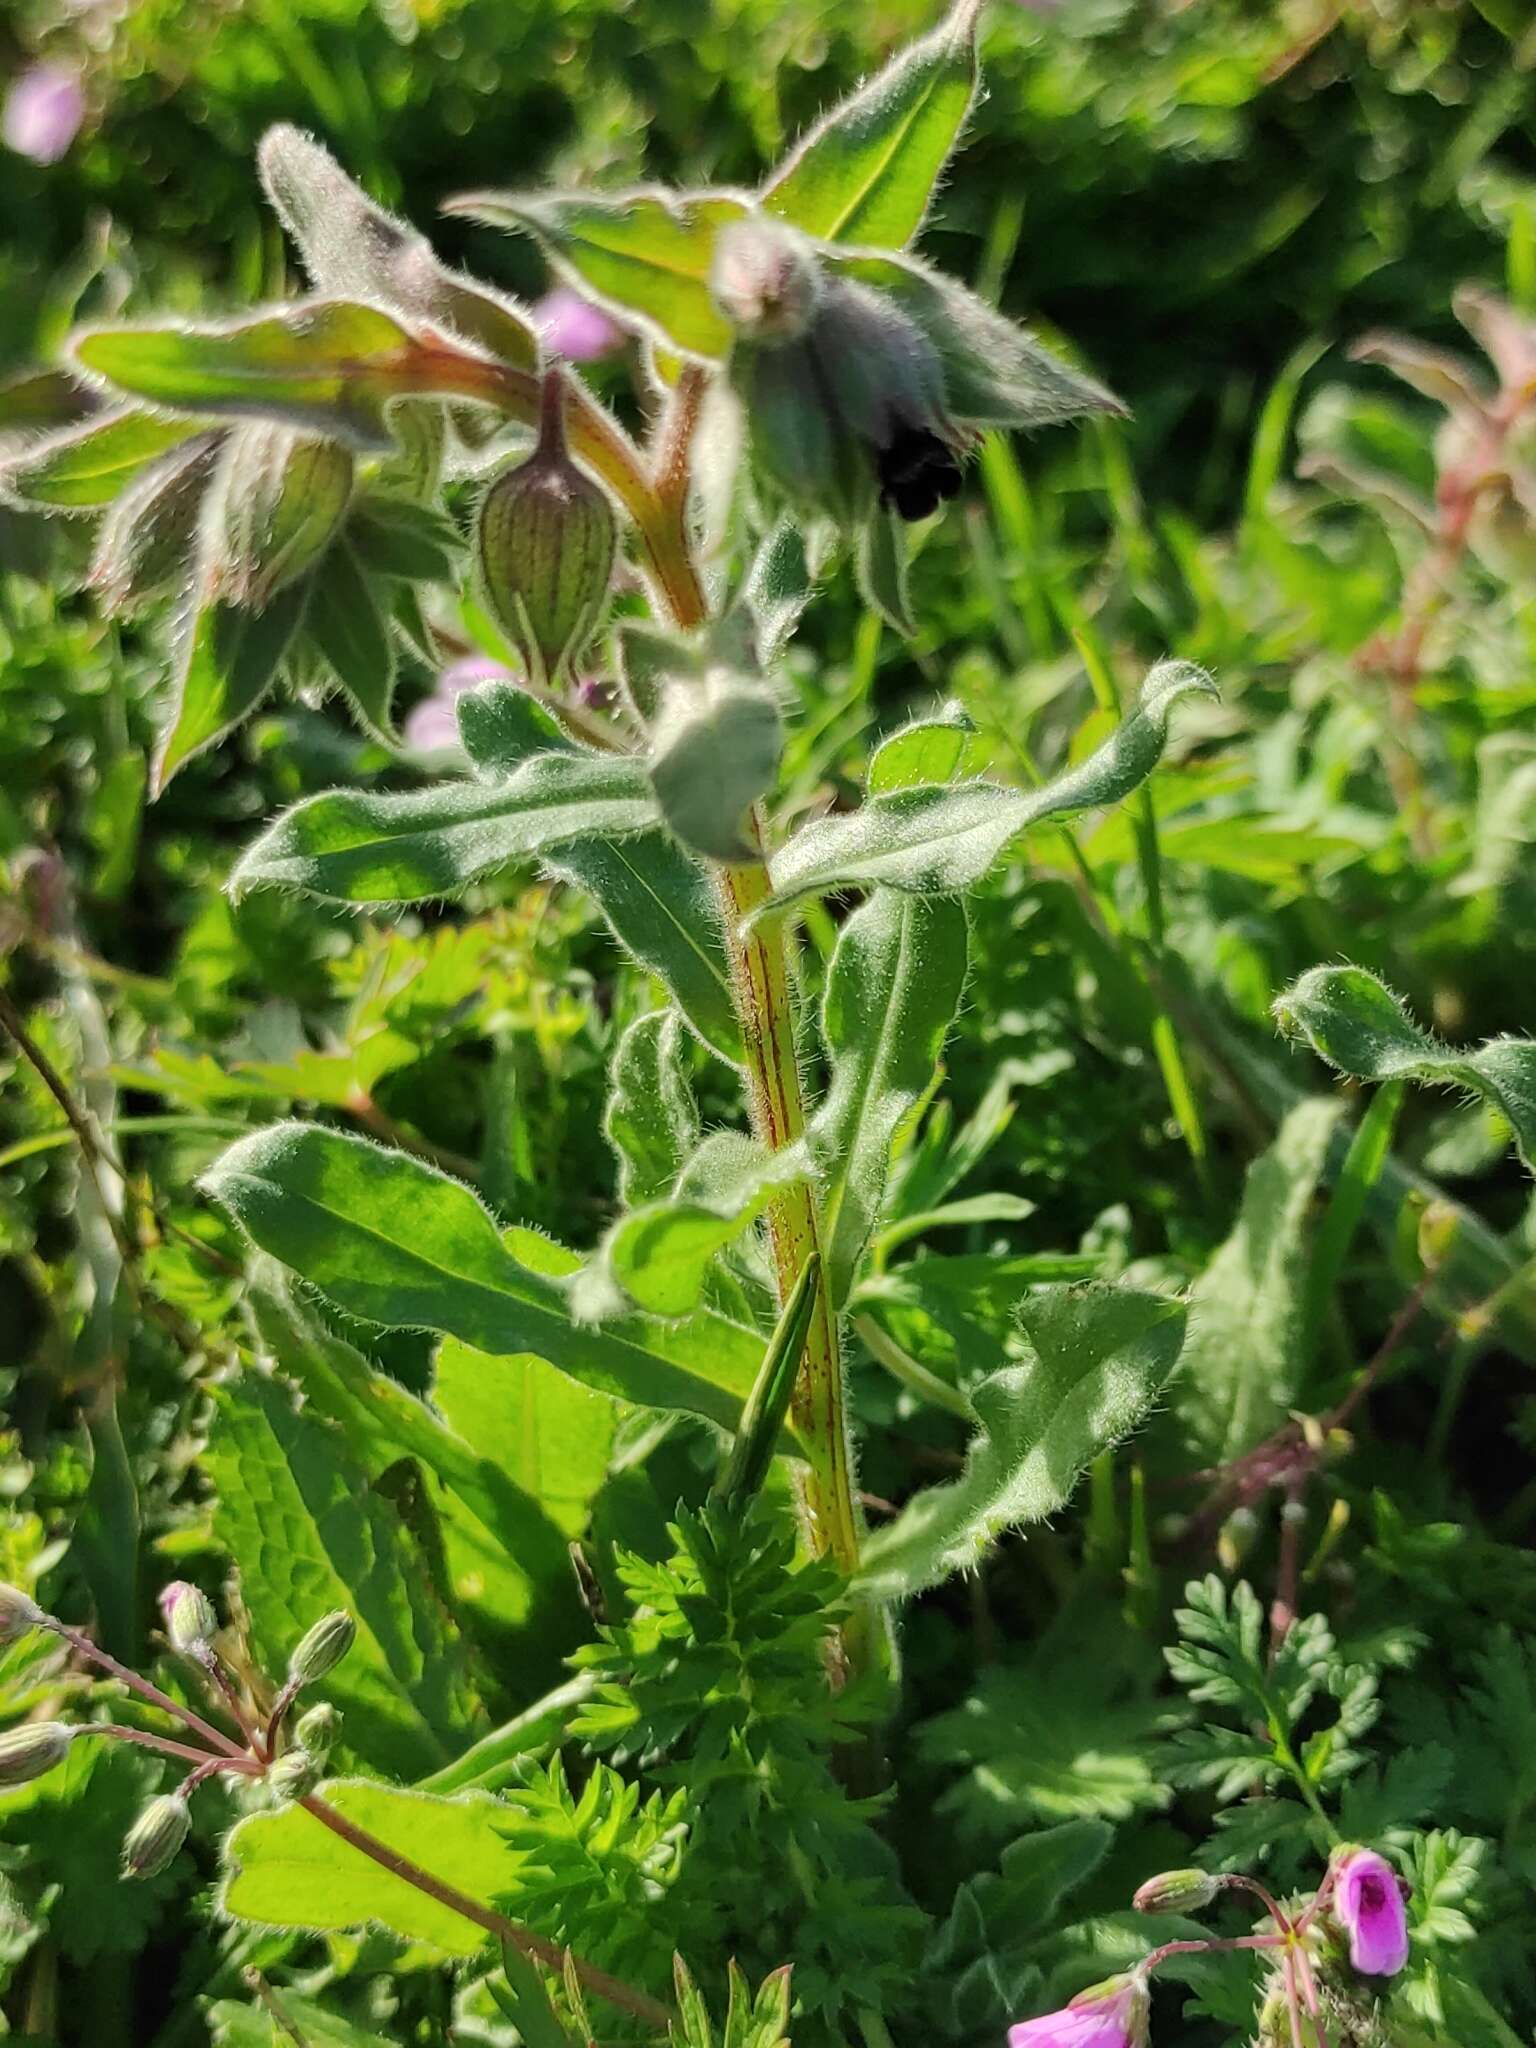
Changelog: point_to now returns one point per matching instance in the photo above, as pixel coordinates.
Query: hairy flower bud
(31, 1750)
(323, 1648)
(18, 1612)
(765, 279)
(1177, 1891)
(149, 534)
(295, 1774)
(318, 1729)
(282, 495)
(156, 1837)
(190, 1621)
(545, 541)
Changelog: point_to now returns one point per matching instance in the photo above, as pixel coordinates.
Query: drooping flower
(1368, 1904)
(43, 112)
(574, 328)
(1108, 2015)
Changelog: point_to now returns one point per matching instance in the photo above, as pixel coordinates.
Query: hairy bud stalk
(322, 1649)
(33, 1749)
(546, 541)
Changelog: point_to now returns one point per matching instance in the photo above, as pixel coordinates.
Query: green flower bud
(33, 1749)
(156, 1837)
(18, 1612)
(149, 534)
(318, 1729)
(282, 496)
(545, 541)
(323, 1648)
(295, 1774)
(1439, 1227)
(1177, 1891)
(190, 1622)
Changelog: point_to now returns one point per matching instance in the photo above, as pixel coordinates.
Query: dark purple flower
(1108, 2015)
(43, 112)
(574, 328)
(1368, 1904)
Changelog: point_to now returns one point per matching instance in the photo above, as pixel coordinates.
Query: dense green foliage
(1147, 1217)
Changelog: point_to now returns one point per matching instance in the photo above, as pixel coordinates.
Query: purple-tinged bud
(323, 1648)
(1108, 2015)
(1177, 1891)
(33, 1749)
(765, 280)
(573, 327)
(546, 542)
(317, 1730)
(43, 113)
(190, 1622)
(1368, 1904)
(18, 1612)
(156, 1837)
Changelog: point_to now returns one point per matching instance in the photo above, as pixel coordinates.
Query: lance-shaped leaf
(1357, 1025)
(644, 255)
(346, 624)
(866, 173)
(778, 588)
(892, 992)
(937, 841)
(743, 1472)
(287, 1869)
(882, 571)
(227, 660)
(354, 249)
(994, 372)
(1096, 1360)
(652, 1120)
(85, 467)
(354, 847)
(331, 366)
(394, 1242)
(715, 750)
(659, 1256)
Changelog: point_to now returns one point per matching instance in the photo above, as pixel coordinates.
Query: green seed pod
(295, 1774)
(323, 1648)
(1177, 1891)
(156, 1837)
(282, 497)
(18, 1612)
(33, 1749)
(190, 1621)
(149, 534)
(545, 543)
(318, 1729)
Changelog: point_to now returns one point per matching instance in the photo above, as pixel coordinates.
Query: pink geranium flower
(1368, 1904)
(1108, 2015)
(43, 112)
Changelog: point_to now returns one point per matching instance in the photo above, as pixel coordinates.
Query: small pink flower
(1108, 2015)
(1368, 1903)
(432, 726)
(574, 328)
(43, 112)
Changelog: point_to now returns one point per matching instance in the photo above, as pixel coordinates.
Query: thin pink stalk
(142, 1686)
(1309, 1993)
(142, 1739)
(1212, 1947)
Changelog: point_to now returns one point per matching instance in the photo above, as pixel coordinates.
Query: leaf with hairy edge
(393, 1241)
(660, 906)
(643, 255)
(937, 841)
(310, 1535)
(228, 660)
(330, 366)
(1355, 1023)
(866, 173)
(354, 847)
(652, 1120)
(287, 1869)
(659, 1256)
(892, 991)
(1241, 1371)
(505, 1550)
(882, 572)
(345, 623)
(501, 726)
(715, 748)
(85, 467)
(931, 750)
(1098, 1357)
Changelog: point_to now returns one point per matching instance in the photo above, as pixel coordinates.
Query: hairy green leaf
(346, 624)
(227, 661)
(1355, 1023)
(715, 750)
(892, 991)
(85, 467)
(644, 255)
(651, 1121)
(393, 1241)
(1097, 1358)
(354, 847)
(866, 173)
